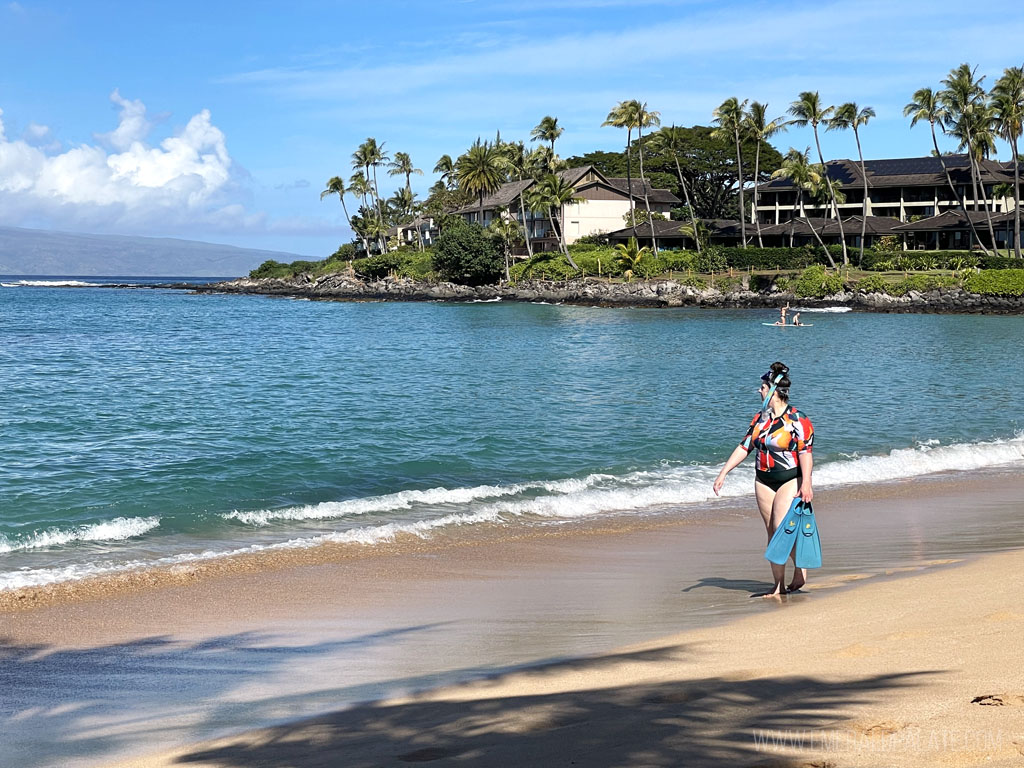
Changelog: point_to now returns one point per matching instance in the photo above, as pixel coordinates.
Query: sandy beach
(622, 643)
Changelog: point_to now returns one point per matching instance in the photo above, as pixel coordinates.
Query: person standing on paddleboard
(782, 437)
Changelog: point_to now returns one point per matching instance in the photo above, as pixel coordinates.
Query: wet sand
(98, 677)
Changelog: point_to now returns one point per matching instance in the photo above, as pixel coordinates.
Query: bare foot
(776, 593)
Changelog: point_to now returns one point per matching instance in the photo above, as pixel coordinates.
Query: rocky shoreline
(599, 293)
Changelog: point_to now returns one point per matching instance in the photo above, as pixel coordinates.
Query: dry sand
(920, 671)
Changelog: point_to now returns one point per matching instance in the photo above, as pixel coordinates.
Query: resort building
(913, 193)
(604, 207)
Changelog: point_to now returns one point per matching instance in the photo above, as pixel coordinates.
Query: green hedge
(996, 282)
(817, 283)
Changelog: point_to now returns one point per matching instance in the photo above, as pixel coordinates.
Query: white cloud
(185, 183)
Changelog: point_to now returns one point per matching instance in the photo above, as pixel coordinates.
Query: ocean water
(148, 427)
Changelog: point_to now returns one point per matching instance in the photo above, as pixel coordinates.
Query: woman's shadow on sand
(736, 585)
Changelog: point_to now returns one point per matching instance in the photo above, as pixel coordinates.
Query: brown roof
(904, 172)
(955, 220)
(670, 228)
(508, 193)
(876, 225)
(653, 195)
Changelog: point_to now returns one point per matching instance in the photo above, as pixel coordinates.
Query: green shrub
(711, 259)
(345, 252)
(920, 283)
(772, 258)
(783, 283)
(873, 284)
(376, 267)
(548, 265)
(271, 268)
(466, 254)
(694, 281)
(816, 283)
(999, 262)
(887, 244)
(997, 282)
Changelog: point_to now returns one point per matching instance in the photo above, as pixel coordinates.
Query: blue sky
(222, 121)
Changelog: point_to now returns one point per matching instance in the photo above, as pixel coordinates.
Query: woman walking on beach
(782, 437)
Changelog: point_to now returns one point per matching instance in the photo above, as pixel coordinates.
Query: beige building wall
(593, 217)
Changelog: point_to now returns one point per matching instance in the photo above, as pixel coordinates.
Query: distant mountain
(37, 252)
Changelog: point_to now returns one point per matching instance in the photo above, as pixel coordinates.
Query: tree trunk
(508, 273)
(757, 175)
(481, 222)
(561, 236)
(1016, 198)
(835, 205)
(960, 201)
(348, 218)
(643, 180)
(526, 229)
(629, 176)
(864, 209)
(689, 204)
(831, 261)
(380, 213)
(988, 212)
(739, 172)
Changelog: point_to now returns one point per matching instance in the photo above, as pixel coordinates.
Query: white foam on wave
(118, 529)
(924, 459)
(370, 535)
(830, 310)
(51, 284)
(393, 502)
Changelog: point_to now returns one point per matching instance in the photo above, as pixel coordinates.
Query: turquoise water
(144, 426)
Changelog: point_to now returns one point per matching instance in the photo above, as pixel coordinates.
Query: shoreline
(726, 511)
(249, 649)
(599, 293)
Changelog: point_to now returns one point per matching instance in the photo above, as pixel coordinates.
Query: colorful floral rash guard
(779, 440)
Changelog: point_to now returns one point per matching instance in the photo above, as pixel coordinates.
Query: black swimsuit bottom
(776, 480)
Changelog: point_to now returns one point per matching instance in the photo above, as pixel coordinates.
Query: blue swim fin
(808, 543)
(785, 537)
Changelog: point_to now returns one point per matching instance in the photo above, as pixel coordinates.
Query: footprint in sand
(1004, 616)
(999, 700)
(884, 728)
(856, 651)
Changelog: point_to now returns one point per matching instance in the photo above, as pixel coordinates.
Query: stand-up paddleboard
(789, 325)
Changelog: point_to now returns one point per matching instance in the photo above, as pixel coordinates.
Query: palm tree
(401, 165)
(507, 230)
(1008, 102)
(696, 231)
(623, 115)
(481, 171)
(368, 156)
(966, 102)
(446, 167)
(926, 105)
(552, 193)
(629, 255)
(730, 116)
(517, 164)
(808, 109)
(849, 115)
(760, 129)
(336, 186)
(547, 130)
(796, 167)
(361, 188)
(645, 119)
(975, 130)
(671, 142)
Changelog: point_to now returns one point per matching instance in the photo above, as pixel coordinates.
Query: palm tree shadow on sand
(698, 722)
